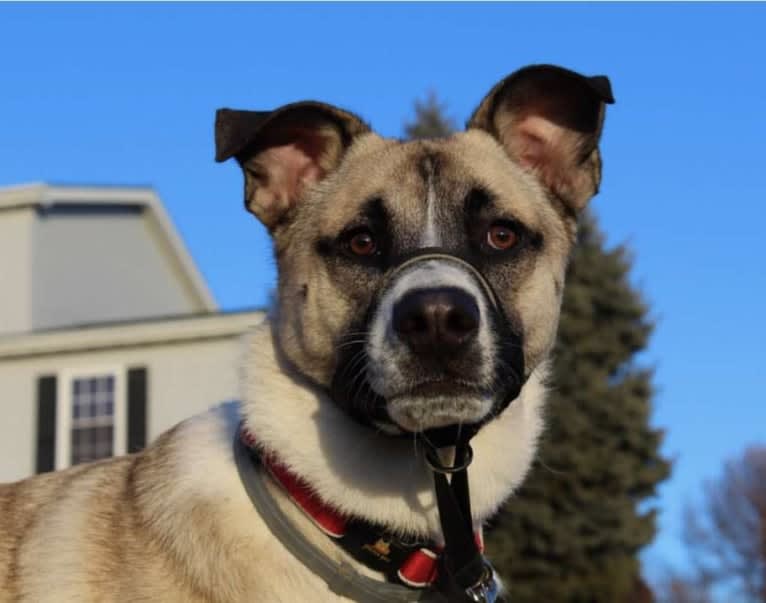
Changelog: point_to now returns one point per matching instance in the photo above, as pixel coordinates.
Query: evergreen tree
(431, 119)
(573, 532)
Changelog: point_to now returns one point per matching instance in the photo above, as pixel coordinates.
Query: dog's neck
(366, 474)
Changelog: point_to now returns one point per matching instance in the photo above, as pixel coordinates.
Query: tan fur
(173, 523)
(119, 531)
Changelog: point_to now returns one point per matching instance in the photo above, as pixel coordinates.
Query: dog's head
(420, 282)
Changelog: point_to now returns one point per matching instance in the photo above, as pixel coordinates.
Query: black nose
(440, 320)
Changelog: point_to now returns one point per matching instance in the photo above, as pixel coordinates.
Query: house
(108, 332)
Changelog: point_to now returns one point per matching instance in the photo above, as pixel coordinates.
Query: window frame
(64, 409)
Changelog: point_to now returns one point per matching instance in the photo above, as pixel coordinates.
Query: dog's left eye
(362, 243)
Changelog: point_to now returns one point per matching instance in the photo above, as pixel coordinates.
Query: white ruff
(370, 475)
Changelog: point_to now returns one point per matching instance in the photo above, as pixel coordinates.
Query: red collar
(417, 566)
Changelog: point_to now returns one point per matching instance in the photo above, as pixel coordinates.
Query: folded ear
(549, 120)
(283, 151)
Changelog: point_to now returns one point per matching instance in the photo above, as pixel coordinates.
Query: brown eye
(363, 244)
(501, 237)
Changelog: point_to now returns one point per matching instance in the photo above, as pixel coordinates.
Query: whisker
(354, 362)
(349, 343)
(358, 390)
(355, 334)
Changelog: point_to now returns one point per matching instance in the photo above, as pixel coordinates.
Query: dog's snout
(437, 321)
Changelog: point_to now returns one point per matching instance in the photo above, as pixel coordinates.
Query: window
(91, 421)
(92, 427)
(86, 415)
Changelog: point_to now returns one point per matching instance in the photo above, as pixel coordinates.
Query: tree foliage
(573, 532)
(430, 121)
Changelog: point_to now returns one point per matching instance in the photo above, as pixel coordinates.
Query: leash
(466, 575)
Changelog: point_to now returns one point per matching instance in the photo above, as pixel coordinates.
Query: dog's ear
(549, 120)
(283, 151)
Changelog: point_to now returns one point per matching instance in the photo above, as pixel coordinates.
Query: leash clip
(485, 590)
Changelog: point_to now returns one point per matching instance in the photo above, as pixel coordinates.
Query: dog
(419, 291)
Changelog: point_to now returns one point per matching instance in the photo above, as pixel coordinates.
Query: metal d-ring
(433, 461)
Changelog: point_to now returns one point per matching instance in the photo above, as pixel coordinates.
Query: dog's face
(421, 281)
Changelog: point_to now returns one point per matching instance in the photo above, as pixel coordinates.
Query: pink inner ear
(311, 173)
(536, 141)
(546, 149)
(290, 168)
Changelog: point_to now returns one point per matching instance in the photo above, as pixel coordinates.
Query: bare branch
(726, 534)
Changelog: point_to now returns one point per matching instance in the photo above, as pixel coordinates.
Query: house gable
(81, 255)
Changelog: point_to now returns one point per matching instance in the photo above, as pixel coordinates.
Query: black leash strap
(464, 573)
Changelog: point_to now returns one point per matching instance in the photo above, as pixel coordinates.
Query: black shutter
(137, 396)
(46, 424)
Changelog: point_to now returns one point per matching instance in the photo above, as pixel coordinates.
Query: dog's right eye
(501, 237)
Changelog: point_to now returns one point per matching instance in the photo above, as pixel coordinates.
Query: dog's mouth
(431, 401)
(441, 388)
(420, 400)
(435, 404)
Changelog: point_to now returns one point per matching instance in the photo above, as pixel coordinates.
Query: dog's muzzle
(437, 324)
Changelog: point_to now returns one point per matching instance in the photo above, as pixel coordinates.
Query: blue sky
(125, 94)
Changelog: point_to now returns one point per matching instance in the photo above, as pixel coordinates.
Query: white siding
(184, 378)
(95, 264)
(15, 269)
